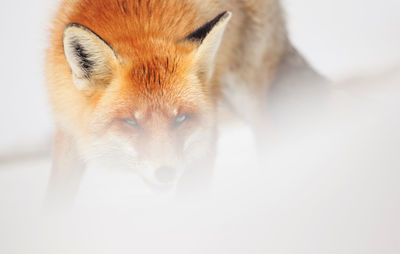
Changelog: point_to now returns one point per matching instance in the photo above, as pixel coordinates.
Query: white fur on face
(138, 115)
(113, 152)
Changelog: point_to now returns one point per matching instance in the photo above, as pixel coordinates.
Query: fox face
(150, 110)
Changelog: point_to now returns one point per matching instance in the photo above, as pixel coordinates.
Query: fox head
(150, 107)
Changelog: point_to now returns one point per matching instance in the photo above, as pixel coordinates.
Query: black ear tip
(225, 14)
(79, 26)
(75, 25)
(201, 33)
(221, 15)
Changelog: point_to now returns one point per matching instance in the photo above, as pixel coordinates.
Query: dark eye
(131, 122)
(181, 119)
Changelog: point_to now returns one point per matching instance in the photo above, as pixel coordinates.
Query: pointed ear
(209, 37)
(90, 58)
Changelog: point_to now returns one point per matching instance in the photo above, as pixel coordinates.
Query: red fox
(140, 81)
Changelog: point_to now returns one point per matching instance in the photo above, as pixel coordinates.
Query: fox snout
(161, 178)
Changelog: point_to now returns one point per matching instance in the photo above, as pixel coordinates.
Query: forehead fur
(159, 71)
(158, 81)
(157, 65)
(155, 73)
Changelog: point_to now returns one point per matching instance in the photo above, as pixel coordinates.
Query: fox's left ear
(209, 37)
(90, 58)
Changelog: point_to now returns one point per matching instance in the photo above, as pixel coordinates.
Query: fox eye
(181, 119)
(131, 122)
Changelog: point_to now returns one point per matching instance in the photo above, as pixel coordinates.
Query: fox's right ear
(208, 38)
(90, 58)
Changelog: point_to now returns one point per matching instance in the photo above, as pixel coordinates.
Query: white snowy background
(333, 189)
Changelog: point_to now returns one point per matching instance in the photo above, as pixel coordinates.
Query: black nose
(165, 174)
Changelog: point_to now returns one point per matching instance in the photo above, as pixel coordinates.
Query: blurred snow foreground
(328, 183)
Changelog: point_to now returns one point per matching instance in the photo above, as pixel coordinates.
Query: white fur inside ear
(207, 51)
(81, 83)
